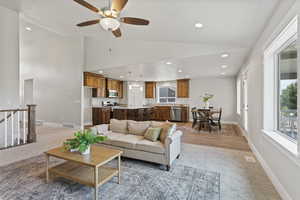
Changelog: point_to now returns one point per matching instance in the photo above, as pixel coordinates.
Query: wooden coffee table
(85, 169)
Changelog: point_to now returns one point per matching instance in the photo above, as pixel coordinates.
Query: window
(167, 95)
(287, 91)
(280, 108)
(238, 95)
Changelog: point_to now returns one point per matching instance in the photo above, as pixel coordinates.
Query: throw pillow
(167, 130)
(152, 134)
(94, 130)
(118, 126)
(138, 128)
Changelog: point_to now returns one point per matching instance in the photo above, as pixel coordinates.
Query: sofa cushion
(112, 136)
(138, 128)
(155, 124)
(126, 141)
(152, 134)
(118, 126)
(149, 146)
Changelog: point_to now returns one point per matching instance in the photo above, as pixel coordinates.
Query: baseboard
(275, 181)
(61, 125)
(52, 124)
(88, 123)
(244, 133)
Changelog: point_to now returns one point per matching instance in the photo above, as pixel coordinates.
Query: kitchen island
(178, 113)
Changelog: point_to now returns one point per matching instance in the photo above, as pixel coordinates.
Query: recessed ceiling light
(225, 55)
(28, 28)
(224, 66)
(179, 70)
(121, 76)
(168, 63)
(198, 25)
(100, 72)
(223, 73)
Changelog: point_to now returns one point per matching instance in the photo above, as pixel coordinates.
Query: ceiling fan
(109, 16)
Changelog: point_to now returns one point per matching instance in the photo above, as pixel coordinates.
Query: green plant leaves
(82, 140)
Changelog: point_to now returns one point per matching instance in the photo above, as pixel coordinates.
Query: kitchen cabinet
(185, 114)
(120, 90)
(115, 85)
(93, 80)
(183, 86)
(162, 113)
(101, 90)
(101, 115)
(150, 89)
(112, 84)
(136, 114)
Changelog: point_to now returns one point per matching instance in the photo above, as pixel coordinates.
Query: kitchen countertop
(140, 107)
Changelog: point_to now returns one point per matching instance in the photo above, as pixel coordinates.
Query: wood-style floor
(229, 137)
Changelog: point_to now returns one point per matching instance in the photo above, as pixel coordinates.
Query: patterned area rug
(139, 181)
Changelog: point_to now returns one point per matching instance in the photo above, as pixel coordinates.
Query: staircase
(17, 127)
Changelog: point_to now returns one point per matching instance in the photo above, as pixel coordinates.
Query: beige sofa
(128, 136)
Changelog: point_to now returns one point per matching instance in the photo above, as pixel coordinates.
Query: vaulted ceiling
(230, 26)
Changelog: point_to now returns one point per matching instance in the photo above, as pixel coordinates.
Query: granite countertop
(140, 107)
(131, 107)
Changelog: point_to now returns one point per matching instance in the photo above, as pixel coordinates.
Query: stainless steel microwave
(112, 93)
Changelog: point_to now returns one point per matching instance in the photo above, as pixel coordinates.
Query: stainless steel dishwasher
(176, 113)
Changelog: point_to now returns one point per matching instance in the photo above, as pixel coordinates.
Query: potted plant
(206, 97)
(83, 141)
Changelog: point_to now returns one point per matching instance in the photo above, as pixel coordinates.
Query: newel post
(31, 137)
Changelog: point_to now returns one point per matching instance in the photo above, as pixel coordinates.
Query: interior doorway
(245, 104)
(28, 94)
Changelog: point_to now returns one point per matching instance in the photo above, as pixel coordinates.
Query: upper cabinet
(115, 85)
(150, 90)
(112, 84)
(120, 90)
(93, 80)
(183, 86)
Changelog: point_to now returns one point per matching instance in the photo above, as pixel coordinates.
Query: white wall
(9, 58)
(224, 91)
(55, 63)
(283, 170)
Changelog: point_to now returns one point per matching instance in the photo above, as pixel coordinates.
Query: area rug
(25, 180)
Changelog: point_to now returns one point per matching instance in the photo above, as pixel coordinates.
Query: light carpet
(139, 181)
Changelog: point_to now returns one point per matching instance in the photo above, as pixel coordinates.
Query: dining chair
(204, 118)
(216, 120)
(195, 117)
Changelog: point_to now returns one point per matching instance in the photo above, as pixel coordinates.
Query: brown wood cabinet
(115, 85)
(150, 89)
(185, 114)
(112, 84)
(93, 80)
(101, 90)
(101, 116)
(183, 87)
(162, 113)
(120, 90)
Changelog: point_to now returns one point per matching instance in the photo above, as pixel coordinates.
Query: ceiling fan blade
(118, 5)
(134, 21)
(87, 5)
(117, 33)
(91, 22)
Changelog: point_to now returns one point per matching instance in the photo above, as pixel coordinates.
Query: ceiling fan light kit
(109, 17)
(109, 24)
